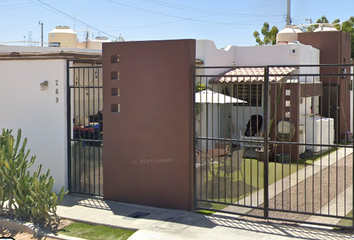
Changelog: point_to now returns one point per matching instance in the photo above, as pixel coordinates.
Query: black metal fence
(275, 142)
(85, 125)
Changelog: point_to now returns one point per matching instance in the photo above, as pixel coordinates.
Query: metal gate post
(68, 121)
(266, 147)
(352, 159)
(194, 183)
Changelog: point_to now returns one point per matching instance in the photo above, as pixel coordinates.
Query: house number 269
(56, 90)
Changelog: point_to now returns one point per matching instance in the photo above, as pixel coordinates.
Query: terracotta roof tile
(255, 74)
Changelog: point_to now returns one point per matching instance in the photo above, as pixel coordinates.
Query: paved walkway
(339, 205)
(156, 223)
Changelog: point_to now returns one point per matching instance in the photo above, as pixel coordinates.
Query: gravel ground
(27, 236)
(315, 192)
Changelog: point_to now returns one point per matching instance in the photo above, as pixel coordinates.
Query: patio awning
(208, 96)
(253, 74)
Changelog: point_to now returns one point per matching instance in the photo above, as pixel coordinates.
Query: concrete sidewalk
(157, 223)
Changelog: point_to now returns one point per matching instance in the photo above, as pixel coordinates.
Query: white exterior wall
(42, 119)
(276, 55)
(206, 50)
(291, 54)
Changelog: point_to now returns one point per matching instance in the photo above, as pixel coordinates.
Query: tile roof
(253, 74)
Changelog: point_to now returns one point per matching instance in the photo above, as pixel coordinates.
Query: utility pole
(310, 28)
(41, 23)
(29, 38)
(288, 18)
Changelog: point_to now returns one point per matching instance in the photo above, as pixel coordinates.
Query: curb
(22, 226)
(17, 225)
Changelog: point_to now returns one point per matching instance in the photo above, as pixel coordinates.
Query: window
(54, 44)
(251, 93)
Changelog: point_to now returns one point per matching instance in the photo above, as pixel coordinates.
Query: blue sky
(226, 22)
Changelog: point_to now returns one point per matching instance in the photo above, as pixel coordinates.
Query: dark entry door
(330, 105)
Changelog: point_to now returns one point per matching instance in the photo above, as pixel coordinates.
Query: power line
(296, 21)
(9, 29)
(193, 19)
(77, 20)
(49, 9)
(254, 23)
(177, 6)
(196, 19)
(23, 5)
(163, 14)
(330, 3)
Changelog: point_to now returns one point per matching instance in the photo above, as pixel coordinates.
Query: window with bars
(251, 93)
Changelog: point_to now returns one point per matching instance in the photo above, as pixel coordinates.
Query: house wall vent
(293, 51)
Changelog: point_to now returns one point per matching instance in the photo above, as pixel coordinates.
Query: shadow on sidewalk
(281, 229)
(179, 220)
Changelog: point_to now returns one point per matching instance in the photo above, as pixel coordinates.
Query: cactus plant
(28, 196)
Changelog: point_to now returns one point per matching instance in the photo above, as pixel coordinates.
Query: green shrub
(29, 197)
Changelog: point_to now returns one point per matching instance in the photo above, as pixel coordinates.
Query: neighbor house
(33, 97)
(245, 82)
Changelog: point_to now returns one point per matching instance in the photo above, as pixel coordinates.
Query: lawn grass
(318, 156)
(95, 232)
(252, 174)
(252, 169)
(206, 212)
(347, 222)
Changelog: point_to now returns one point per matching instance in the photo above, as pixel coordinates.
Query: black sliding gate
(85, 125)
(275, 142)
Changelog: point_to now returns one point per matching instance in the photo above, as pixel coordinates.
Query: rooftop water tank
(96, 43)
(62, 36)
(101, 39)
(326, 27)
(288, 34)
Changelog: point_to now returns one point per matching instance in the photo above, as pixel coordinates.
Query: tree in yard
(120, 39)
(269, 35)
(348, 26)
(323, 19)
(312, 27)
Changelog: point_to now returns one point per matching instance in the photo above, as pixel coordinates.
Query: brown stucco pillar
(288, 112)
(335, 48)
(148, 119)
